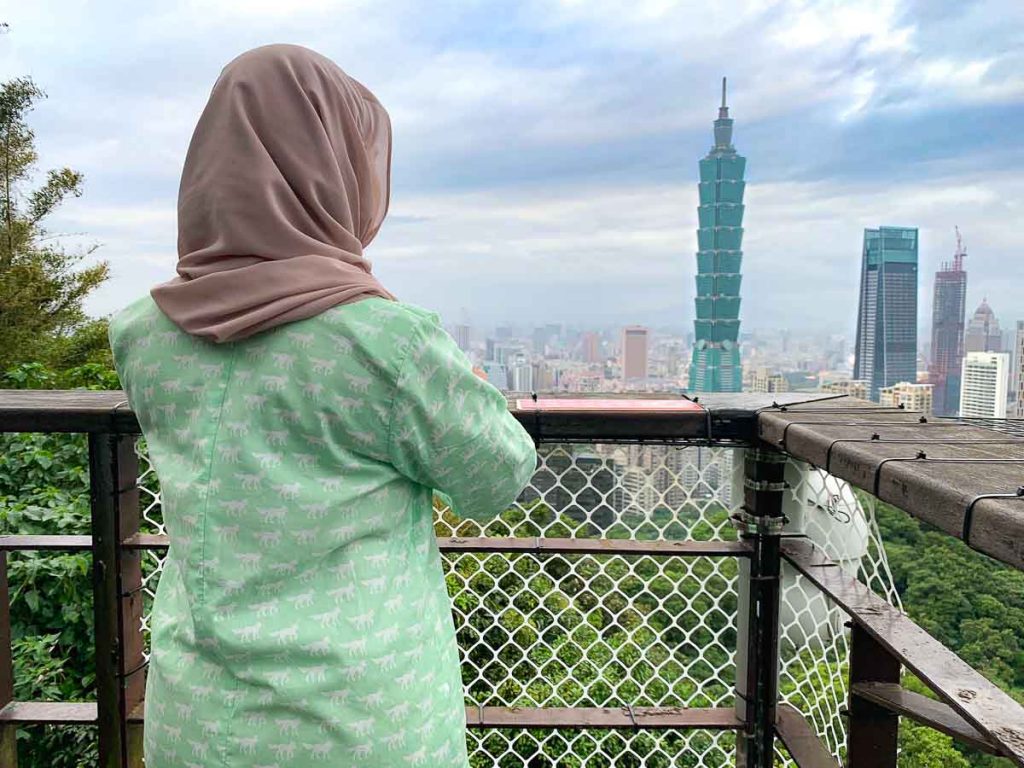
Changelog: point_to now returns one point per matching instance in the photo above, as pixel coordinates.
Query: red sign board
(607, 405)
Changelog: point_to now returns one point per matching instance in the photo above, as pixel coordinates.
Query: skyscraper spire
(723, 129)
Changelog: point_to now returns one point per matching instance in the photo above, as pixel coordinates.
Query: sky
(545, 151)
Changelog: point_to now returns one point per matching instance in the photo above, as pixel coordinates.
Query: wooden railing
(829, 434)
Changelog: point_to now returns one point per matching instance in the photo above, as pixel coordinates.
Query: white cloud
(547, 81)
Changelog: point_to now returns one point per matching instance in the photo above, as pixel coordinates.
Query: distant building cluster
(913, 397)
(968, 373)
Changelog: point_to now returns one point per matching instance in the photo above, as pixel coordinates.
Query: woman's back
(302, 613)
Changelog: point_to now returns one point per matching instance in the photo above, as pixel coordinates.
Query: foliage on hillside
(972, 604)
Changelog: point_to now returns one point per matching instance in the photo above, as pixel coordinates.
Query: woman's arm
(451, 430)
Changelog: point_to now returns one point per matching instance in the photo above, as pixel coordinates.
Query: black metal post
(873, 730)
(757, 669)
(104, 475)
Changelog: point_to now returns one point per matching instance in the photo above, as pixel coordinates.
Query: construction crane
(961, 253)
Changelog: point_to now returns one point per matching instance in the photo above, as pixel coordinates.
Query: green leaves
(42, 285)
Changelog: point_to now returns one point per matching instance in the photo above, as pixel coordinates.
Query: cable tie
(969, 511)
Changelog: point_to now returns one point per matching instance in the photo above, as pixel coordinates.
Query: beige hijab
(286, 180)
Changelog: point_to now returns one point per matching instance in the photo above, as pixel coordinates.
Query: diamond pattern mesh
(813, 639)
(553, 629)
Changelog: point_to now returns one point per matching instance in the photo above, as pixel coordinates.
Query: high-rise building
(913, 397)
(590, 344)
(634, 352)
(497, 374)
(1018, 371)
(947, 351)
(983, 334)
(505, 353)
(462, 337)
(983, 384)
(522, 375)
(887, 316)
(715, 366)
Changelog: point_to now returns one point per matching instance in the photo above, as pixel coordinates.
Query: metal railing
(669, 590)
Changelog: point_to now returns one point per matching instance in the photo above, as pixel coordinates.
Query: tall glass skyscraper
(716, 355)
(887, 319)
(947, 354)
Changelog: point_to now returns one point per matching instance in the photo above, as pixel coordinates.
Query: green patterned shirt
(302, 618)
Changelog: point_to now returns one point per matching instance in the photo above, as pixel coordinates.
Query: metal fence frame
(883, 639)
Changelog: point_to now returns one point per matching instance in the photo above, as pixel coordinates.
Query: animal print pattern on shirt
(302, 617)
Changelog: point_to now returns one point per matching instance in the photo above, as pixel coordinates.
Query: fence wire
(609, 630)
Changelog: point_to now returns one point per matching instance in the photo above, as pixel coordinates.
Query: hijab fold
(286, 181)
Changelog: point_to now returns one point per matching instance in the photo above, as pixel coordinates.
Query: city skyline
(536, 175)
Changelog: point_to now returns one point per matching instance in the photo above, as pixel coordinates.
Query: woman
(298, 417)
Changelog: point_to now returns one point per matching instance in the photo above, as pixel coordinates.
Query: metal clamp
(764, 485)
(758, 525)
(767, 455)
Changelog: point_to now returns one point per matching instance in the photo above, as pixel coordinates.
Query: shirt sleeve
(452, 431)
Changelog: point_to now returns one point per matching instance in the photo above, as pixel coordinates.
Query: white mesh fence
(813, 638)
(609, 630)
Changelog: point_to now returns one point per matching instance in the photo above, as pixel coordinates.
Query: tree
(921, 747)
(42, 284)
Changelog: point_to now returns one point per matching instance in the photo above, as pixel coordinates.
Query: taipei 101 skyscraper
(716, 354)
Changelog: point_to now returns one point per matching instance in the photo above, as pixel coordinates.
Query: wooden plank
(49, 713)
(131, 665)
(146, 541)
(872, 739)
(730, 417)
(541, 545)
(803, 744)
(921, 709)
(70, 410)
(602, 717)
(682, 718)
(8, 733)
(932, 489)
(53, 543)
(987, 708)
